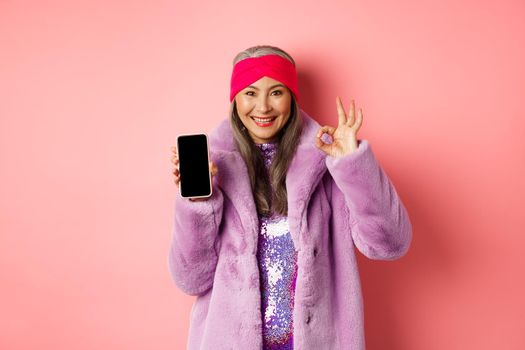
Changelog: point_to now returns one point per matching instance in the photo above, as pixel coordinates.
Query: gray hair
(262, 50)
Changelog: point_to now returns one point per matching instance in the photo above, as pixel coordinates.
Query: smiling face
(264, 108)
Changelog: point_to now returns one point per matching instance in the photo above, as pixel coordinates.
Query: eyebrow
(271, 87)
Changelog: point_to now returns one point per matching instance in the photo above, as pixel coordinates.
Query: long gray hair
(265, 199)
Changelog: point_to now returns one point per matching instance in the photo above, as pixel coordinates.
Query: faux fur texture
(334, 205)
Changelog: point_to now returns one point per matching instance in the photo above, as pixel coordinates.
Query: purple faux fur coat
(334, 205)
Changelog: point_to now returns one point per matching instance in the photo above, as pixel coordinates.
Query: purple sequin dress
(277, 260)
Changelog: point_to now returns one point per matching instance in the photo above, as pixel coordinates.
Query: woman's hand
(175, 160)
(344, 137)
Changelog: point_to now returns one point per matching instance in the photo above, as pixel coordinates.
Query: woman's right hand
(175, 160)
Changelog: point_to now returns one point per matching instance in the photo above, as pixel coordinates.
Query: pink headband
(251, 69)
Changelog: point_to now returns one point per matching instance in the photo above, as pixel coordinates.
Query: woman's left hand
(344, 137)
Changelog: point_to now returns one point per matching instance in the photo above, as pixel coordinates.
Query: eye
(275, 92)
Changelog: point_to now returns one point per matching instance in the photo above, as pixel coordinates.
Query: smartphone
(194, 168)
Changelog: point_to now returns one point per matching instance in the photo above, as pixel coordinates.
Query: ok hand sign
(344, 137)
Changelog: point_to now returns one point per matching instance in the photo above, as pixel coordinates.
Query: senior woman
(271, 254)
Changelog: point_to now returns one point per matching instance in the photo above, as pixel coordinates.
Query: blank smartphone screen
(193, 165)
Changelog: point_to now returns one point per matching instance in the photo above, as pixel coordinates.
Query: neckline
(266, 144)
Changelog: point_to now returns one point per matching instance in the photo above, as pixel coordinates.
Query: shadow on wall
(389, 286)
(310, 95)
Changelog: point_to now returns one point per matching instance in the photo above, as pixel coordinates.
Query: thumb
(213, 169)
(325, 147)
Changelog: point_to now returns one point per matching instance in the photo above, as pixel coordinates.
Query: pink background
(93, 94)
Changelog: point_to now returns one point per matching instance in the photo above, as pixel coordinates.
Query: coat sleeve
(193, 255)
(381, 228)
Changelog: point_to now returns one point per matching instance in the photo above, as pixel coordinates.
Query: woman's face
(264, 108)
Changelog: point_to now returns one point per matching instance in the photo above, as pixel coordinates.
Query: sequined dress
(277, 259)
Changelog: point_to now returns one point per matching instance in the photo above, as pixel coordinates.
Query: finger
(325, 129)
(340, 111)
(322, 146)
(359, 120)
(351, 114)
(213, 168)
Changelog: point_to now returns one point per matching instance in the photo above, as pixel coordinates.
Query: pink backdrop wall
(93, 94)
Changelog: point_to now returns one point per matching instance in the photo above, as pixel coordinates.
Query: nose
(263, 104)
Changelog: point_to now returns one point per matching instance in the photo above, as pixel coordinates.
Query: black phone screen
(195, 180)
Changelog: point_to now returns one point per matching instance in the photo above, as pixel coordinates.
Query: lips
(263, 122)
(263, 119)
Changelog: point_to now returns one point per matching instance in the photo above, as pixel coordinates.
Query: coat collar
(304, 173)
